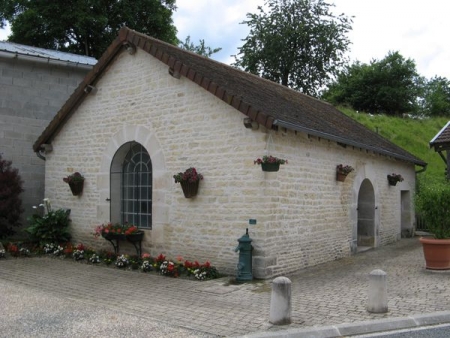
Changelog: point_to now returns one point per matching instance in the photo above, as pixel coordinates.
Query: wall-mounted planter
(75, 182)
(189, 180)
(76, 188)
(190, 189)
(342, 171)
(340, 176)
(394, 178)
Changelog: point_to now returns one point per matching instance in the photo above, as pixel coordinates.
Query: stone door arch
(365, 228)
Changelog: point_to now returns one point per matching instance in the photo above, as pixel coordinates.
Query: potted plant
(394, 178)
(433, 204)
(75, 181)
(342, 171)
(270, 163)
(189, 181)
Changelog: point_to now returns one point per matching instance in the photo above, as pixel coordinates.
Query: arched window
(131, 186)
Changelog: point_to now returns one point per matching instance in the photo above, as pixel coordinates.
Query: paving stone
(329, 294)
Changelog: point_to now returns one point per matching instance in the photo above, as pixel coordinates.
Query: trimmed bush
(433, 204)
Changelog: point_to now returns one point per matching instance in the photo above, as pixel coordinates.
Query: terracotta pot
(437, 253)
(270, 167)
(340, 176)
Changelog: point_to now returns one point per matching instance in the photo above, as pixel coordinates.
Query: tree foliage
(85, 26)
(436, 97)
(200, 49)
(298, 43)
(10, 202)
(391, 86)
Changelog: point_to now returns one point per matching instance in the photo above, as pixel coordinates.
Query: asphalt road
(438, 331)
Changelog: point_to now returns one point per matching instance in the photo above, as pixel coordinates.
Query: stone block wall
(31, 93)
(304, 216)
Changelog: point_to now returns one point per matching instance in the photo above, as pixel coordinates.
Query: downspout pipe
(38, 154)
(44, 149)
(424, 168)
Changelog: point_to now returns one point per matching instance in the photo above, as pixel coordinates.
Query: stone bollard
(280, 301)
(378, 302)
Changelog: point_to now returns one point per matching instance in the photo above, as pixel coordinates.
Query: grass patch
(412, 135)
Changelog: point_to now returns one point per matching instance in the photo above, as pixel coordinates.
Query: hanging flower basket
(270, 166)
(270, 163)
(189, 181)
(76, 183)
(394, 178)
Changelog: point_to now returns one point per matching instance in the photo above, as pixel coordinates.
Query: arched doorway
(366, 217)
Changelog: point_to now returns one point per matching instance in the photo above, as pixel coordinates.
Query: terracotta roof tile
(442, 139)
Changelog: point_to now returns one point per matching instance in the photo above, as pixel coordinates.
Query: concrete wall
(304, 216)
(30, 95)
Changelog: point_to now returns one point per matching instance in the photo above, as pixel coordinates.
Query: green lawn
(412, 135)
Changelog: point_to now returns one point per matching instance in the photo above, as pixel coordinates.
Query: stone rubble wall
(30, 95)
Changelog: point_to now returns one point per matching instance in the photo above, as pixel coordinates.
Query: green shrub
(52, 227)
(433, 204)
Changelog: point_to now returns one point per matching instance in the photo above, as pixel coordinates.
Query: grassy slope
(412, 135)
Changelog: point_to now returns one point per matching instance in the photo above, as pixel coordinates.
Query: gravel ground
(25, 312)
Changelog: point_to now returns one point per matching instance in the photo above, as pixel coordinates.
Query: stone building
(164, 109)
(34, 83)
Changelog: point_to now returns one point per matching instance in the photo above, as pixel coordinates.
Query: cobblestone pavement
(328, 294)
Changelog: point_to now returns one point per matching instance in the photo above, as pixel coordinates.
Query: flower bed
(145, 264)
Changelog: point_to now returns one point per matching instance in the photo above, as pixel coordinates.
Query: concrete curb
(365, 327)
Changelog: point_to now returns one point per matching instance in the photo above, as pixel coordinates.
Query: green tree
(298, 43)
(391, 86)
(85, 26)
(436, 97)
(200, 49)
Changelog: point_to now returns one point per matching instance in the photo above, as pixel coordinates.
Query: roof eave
(433, 141)
(79, 94)
(342, 140)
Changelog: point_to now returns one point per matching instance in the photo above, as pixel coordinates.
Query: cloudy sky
(417, 29)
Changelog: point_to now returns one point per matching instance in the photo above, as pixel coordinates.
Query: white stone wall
(304, 217)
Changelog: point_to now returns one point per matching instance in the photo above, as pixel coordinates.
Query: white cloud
(417, 29)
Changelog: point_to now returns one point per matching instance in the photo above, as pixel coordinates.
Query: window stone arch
(160, 183)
